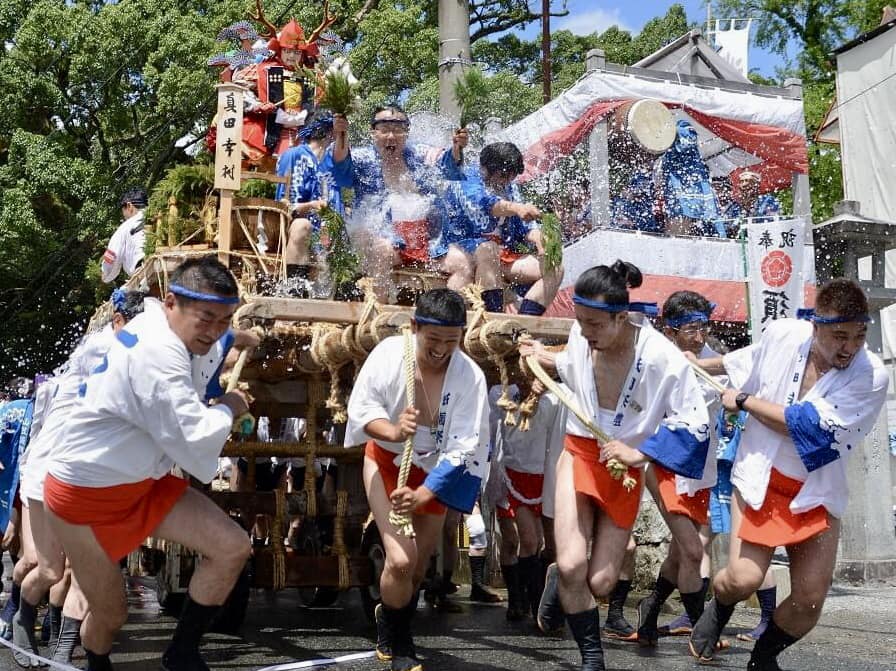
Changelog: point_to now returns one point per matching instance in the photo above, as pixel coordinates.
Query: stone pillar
(867, 537)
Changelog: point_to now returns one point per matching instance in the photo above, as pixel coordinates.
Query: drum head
(651, 125)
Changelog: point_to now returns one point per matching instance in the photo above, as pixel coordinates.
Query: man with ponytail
(812, 391)
(638, 388)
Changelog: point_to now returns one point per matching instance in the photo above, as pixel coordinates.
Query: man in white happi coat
(36, 460)
(109, 485)
(449, 427)
(683, 502)
(812, 391)
(517, 487)
(638, 388)
(125, 249)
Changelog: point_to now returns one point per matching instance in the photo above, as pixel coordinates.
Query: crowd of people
(95, 446)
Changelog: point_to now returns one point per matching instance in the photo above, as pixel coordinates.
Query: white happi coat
(87, 356)
(125, 248)
(140, 413)
(459, 461)
(532, 451)
(831, 419)
(661, 410)
(691, 486)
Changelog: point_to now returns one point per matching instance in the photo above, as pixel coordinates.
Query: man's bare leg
(26, 615)
(811, 569)
(487, 261)
(381, 259)
(680, 568)
(403, 571)
(100, 580)
(197, 523)
(527, 270)
(747, 564)
(297, 256)
(616, 626)
(73, 613)
(458, 265)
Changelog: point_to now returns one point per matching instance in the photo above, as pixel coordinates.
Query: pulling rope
(243, 424)
(618, 470)
(402, 522)
(709, 379)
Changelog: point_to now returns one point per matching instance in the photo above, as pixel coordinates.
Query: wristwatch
(740, 399)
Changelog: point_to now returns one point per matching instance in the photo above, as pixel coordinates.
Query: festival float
(271, 80)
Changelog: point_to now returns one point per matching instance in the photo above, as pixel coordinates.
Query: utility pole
(545, 51)
(454, 52)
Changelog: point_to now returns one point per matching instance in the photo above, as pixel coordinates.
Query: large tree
(100, 95)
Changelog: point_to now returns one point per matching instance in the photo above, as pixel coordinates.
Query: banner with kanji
(229, 137)
(776, 271)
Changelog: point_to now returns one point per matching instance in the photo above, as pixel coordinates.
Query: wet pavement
(857, 633)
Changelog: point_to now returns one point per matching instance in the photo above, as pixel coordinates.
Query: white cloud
(587, 22)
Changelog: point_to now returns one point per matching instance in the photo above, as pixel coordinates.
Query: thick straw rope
(339, 547)
(618, 470)
(401, 522)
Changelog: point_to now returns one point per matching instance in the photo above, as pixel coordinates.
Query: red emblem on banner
(776, 268)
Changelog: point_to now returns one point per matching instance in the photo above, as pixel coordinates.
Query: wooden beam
(234, 448)
(305, 571)
(337, 312)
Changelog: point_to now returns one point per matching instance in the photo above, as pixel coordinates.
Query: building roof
(691, 54)
(866, 37)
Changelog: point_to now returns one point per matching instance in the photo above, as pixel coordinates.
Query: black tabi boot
(404, 653)
(69, 639)
(532, 577)
(383, 632)
(649, 611)
(616, 626)
(183, 651)
(479, 590)
(9, 609)
(765, 653)
(550, 610)
(708, 629)
(54, 615)
(23, 633)
(694, 604)
(97, 662)
(768, 601)
(585, 627)
(515, 609)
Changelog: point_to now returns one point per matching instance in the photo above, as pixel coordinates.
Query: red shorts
(591, 478)
(416, 240)
(695, 507)
(527, 485)
(508, 257)
(385, 462)
(774, 524)
(120, 516)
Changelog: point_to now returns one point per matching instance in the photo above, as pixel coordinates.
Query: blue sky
(586, 16)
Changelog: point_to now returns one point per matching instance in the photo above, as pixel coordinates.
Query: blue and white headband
(325, 122)
(690, 317)
(432, 321)
(178, 290)
(809, 315)
(119, 299)
(649, 309)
